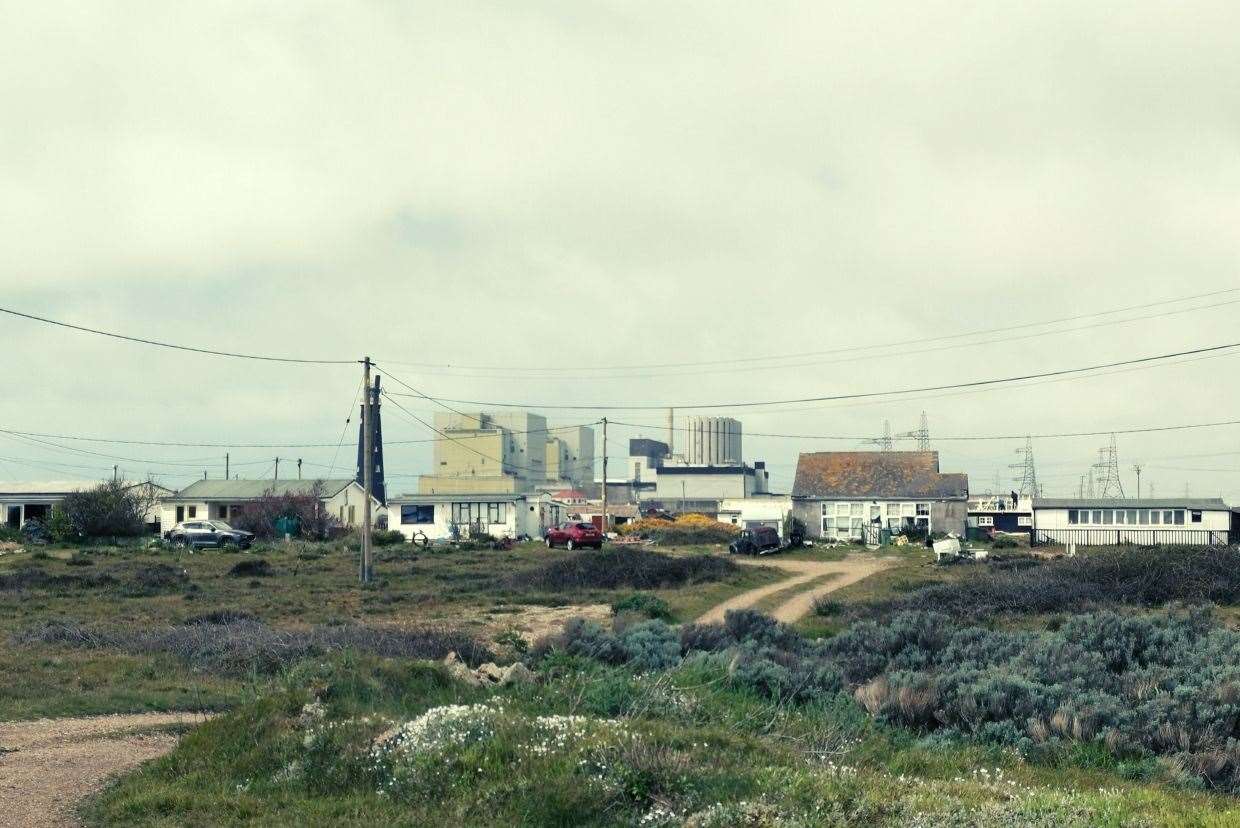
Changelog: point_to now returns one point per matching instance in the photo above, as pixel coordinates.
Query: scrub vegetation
(1114, 702)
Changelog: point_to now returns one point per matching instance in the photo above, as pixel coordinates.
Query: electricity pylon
(1028, 479)
(1110, 483)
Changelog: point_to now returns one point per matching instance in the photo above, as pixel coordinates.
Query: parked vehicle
(760, 540)
(574, 536)
(202, 533)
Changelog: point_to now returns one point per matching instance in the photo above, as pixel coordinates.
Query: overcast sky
(541, 189)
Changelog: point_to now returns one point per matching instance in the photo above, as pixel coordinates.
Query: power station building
(713, 441)
(509, 453)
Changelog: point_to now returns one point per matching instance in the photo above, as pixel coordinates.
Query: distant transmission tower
(1110, 484)
(921, 434)
(885, 442)
(1028, 479)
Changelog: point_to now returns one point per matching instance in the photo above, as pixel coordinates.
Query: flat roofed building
(1143, 521)
(458, 516)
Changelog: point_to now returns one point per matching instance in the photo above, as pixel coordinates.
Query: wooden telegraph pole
(604, 477)
(367, 469)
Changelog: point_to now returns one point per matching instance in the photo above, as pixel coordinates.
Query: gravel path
(850, 570)
(48, 766)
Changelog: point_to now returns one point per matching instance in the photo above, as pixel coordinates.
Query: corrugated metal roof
(876, 474)
(247, 489)
(1201, 503)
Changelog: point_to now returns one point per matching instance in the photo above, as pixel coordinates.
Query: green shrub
(617, 567)
(643, 603)
(387, 537)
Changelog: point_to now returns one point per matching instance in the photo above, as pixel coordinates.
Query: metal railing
(1119, 536)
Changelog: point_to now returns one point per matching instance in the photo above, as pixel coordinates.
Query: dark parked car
(574, 536)
(760, 540)
(215, 533)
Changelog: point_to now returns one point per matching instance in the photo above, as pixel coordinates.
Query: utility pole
(226, 469)
(1137, 468)
(115, 473)
(671, 432)
(277, 477)
(299, 468)
(604, 477)
(367, 470)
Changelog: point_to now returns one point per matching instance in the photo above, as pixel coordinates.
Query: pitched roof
(876, 474)
(248, 489)
(1198, 503)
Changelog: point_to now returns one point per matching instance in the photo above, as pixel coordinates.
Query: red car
(574, 536)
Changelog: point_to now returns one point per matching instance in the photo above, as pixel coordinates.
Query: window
(1155, 517)
(827, 509)
(908, 509)
(193, 511)
(1097, 516)
(1179, 517)
(1121, 516)
(496, 513)
(828, 526)
(1108, 516)
(1072, 516)
(923, 509)
(1143, 516)
(352, 515)
(893, 510)
(463, 513)
(876, 512)
(221, 512)
(985, 520)
(858, 509)
(1024, 520)
(1168, 517)
(841, 509)
(1196, 516)
(417, 513)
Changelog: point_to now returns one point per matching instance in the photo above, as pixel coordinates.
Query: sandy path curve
(48, 766)
(850, 570)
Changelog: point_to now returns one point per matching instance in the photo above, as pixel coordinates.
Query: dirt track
(48, 766)
(849, 571)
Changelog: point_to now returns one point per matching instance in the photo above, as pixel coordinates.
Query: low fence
(1137, 537)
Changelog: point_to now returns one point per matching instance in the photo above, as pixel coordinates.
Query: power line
(121, 441)
(174, 346)
(1007, 338)
(851, 349)
(833, 397)
(975, 437)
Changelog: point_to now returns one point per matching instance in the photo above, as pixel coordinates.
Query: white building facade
(1143, 521)
(443, 517)
(224, 499)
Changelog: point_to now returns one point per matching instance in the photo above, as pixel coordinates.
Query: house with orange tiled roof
(864, 495)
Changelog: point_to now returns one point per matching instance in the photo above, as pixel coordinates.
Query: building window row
(848, 519)
(472, 513)
(1131, 517)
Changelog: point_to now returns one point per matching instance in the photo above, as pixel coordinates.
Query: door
(15, 517)
(180, 514)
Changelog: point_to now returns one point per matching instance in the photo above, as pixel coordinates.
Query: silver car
(201, 533)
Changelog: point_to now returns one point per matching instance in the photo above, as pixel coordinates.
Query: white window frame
(985, 520)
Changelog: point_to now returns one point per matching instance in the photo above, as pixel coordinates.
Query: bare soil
(48, 766)
(849, 571)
